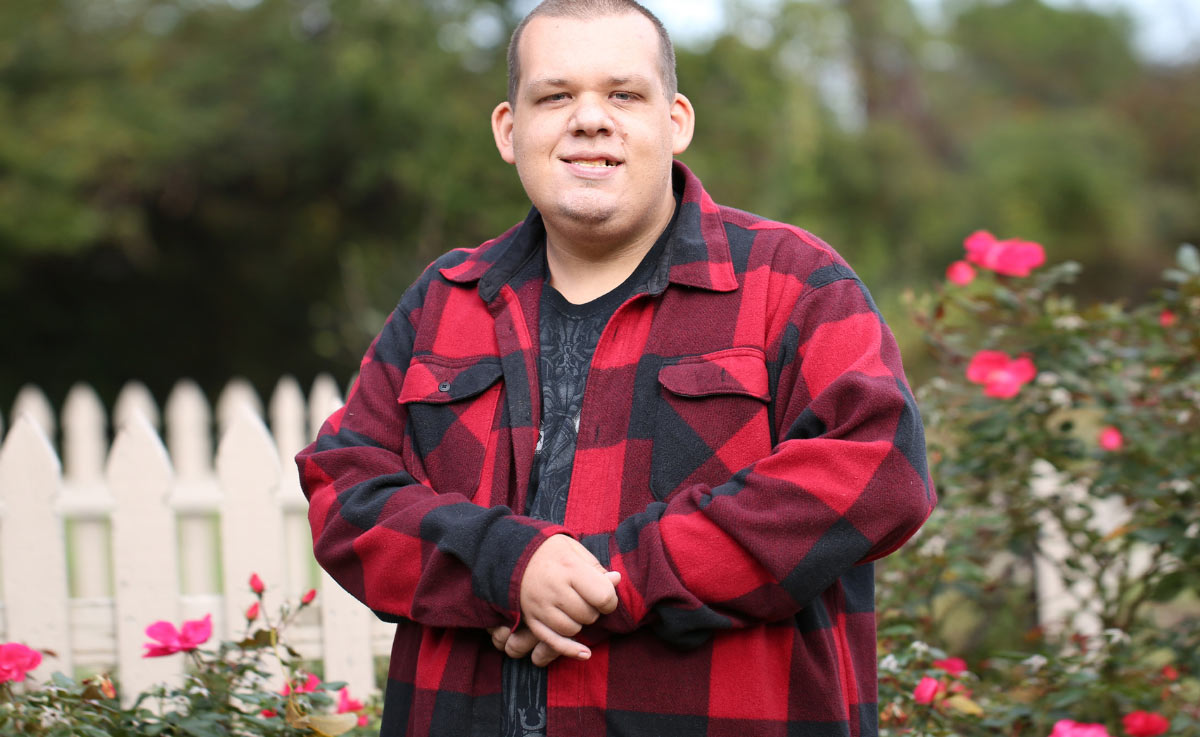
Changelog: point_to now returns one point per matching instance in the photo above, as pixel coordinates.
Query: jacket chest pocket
(452, 420)
(711, 419)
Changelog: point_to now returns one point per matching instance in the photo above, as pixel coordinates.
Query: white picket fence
(96, 546)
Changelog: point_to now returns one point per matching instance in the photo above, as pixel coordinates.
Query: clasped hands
(563, 588)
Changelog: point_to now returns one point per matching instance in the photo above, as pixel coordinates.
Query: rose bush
(1076, 465)
(224, 692)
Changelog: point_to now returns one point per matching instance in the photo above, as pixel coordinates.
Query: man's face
(591, 131)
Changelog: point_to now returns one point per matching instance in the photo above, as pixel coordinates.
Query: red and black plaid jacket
(747, 445)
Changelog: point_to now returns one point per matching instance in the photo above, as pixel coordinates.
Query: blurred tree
(211, 188)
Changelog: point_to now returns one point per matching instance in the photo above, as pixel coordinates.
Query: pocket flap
(731, 371)
(438, 380)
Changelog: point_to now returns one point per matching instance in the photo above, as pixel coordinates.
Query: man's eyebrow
(613, 81)
(547, 82)
(630, 79)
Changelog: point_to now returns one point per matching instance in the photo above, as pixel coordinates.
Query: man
(649, 443)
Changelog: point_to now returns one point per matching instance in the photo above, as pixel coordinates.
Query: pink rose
(960, 273)
(190, 636)
(953, 666)
(1002, 377)
(1009, 257)
(309, 686)
(252, 612)
(1111, 438)
(308, 597)
(927, 689)
(256, 584)
(1068, 728)
(347, 704)
(1145, 724)
(1166, 318)
(16, 660)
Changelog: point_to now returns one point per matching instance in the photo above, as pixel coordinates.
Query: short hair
(585, 9)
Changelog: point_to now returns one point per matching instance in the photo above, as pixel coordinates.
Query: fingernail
(585, 654)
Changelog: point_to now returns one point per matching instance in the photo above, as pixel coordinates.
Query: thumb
(613, 576)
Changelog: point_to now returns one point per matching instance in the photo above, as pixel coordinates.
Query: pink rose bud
(308, 597)
(256, 584)
(960, 273)
(1111, 438)
(252, 612)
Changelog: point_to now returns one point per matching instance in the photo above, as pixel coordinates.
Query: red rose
(1145, 724)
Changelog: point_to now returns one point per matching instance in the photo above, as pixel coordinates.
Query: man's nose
(591, 117)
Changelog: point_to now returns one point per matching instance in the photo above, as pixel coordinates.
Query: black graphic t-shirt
(568, 334)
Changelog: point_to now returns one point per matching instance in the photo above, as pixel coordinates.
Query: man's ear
(502, 127)
(683, 116)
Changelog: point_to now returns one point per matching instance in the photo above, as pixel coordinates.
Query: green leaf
(1170, 586)
(260, 639)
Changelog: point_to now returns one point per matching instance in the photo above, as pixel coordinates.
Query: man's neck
(581, 271)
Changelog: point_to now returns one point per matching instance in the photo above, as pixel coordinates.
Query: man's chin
(570, 214)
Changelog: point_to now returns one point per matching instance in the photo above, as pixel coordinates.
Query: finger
(598, 592)
(543, 655)
(558, 643)
(579, 611)
(520, 643)
(499, 636)
(614, 576)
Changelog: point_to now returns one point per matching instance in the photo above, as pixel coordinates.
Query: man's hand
(520, 643)
(563, 589)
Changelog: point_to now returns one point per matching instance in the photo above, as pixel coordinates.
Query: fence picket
(237, 393)
(134, 398)
(85, 436)
(32, 554)
(85, 502)
(322, 402)
(144, 551)
(32, 401)
(251, 534)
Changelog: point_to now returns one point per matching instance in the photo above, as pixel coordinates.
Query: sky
(1166, 30)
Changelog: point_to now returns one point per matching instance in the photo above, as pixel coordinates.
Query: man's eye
(624, 96)
(556, 97)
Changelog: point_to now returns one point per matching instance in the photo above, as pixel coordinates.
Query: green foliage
(1087, 475)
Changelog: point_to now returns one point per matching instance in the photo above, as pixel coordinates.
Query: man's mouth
(592, 162)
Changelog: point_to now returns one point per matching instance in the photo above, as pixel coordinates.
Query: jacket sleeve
(845, 483)
(396, 544)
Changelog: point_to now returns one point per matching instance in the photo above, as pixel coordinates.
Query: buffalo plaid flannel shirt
(747, 445)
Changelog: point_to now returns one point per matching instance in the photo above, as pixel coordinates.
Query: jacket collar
(697, 253)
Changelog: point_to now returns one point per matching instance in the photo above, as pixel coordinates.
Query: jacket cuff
(545, 531)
